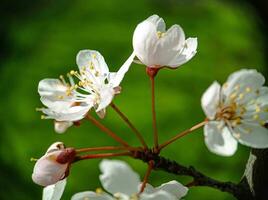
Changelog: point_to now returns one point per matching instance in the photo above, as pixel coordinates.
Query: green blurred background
(40, 39)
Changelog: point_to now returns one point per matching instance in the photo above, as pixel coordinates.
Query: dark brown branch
(199, 179)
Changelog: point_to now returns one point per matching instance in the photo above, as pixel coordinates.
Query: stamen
(99, 191)
(33, 159)
(248, 89)
(160, 34)
(237, 135)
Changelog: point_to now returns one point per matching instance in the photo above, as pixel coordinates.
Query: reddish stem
(155, 133)
(132, 127)
(106, 148)
(146, 177)
(106, 130)
(181, 134)
(103, 155)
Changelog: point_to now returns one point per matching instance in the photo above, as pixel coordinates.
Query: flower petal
(251, 134)
(74, 113)
(144, 40)
(115, 175)
(186, 54)
(47, 171)
(86, 59)
(61, 127)
(175, 188)
(54, 192)
(219, 139)
(158, 22)
(106, 97)
(158, 195)
(211, 99)
(91, 196)
(242, 85)
(116, 80)
(53, 91)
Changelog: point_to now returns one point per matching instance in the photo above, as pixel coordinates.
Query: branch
(199, 179)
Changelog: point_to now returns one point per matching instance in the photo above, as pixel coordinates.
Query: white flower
(96, 79)
(63, 102)
(54, 192)
(238, 111)
(156, 47)
(119, 179)
(70, 102)
(54, 165)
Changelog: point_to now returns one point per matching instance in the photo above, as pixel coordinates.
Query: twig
(107, 131)
(199, 179)
(197, 126)
(132, 127)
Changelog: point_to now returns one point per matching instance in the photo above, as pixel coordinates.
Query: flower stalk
(107, 131)
(152, 72)
(183, 133)
(131, 126)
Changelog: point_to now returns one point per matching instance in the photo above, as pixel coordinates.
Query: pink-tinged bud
(54, 165)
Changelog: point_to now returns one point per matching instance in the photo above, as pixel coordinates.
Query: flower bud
(54, 165)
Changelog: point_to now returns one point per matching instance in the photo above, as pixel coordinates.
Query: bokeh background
(40, 39)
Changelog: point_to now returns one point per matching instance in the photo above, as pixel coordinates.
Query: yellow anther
(99, 191)
(248, 89)
(256, 117)
(258, 109)
(91, 65)
(237, 87)
(241, 96)
(237, 135)
(94, 55)
(225, 85)
(160, 34)
(43, 117)
(33, 159)
(97, 73)
(60, 97)
(72, 72)
(257, 92)
(233, 95)
(84, 68)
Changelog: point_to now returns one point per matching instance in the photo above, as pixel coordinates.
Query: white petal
(211, 99)
(251, 134)
(74, 113)
(186, 54)
(167, 47)
(55, 146)
(117, 176)
(238, 82)
(106, 97)
(85, 57)
(219, 139)
(159, 195)
(61, 127)
(91, 196)
(54, 192)
(144, 41)
(53, 92)
(47, 171)
(158, 22)
(116, 80)
(175, 188)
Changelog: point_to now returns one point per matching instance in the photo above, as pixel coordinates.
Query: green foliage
(44, 44)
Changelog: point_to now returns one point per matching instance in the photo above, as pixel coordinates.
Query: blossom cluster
(235, 112)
